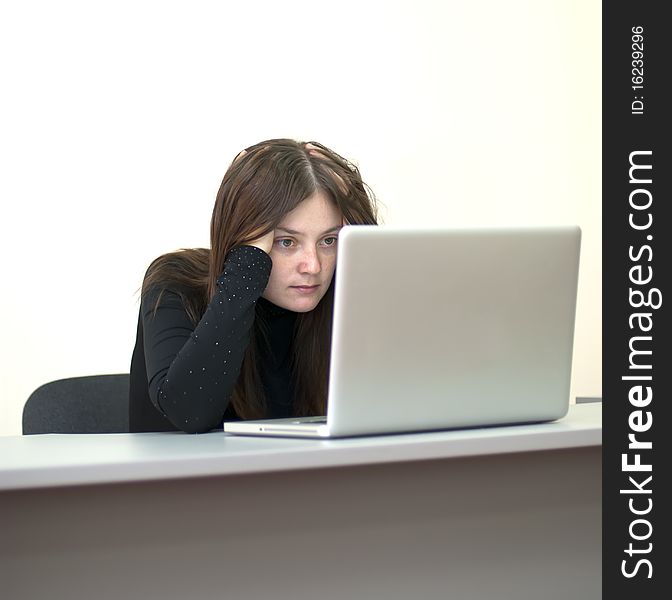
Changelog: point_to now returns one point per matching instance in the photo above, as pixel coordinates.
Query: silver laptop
(445, 328)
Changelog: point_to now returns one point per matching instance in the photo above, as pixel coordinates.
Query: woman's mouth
(305, 289)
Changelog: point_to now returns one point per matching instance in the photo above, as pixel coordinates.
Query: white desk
(506, 512)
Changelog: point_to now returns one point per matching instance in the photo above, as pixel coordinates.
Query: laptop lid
(446, 328)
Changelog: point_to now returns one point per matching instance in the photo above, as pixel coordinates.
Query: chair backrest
(90, 404)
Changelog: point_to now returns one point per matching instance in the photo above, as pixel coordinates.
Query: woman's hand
(265, 242)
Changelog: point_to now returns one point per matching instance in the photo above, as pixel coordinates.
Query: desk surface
(40, 461)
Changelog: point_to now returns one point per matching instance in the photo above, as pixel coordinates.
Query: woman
(242, 330)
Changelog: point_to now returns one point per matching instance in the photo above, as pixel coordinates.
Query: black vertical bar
(637, 299)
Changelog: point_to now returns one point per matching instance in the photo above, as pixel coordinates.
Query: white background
(118, 120)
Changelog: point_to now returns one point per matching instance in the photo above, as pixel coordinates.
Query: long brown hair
(262, 185)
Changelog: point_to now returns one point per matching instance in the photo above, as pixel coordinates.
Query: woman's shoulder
(184, 262)
(183, 268)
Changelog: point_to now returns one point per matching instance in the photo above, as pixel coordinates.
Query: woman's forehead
(317, 214)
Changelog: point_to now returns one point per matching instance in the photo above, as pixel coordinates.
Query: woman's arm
(191, 371)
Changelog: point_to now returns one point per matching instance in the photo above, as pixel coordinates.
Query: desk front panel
(525, 525)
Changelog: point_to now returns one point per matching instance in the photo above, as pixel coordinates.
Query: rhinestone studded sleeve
(192, 371)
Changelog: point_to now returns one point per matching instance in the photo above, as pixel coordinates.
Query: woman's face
(304, 254)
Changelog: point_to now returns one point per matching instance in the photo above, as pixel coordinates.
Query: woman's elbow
(190, 417)
(195, 426)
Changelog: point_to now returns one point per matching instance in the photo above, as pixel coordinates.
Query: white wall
(118, 120)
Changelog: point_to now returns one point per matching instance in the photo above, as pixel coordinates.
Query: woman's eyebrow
(294, 232)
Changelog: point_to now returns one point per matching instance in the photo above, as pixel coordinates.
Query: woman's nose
(310, 261)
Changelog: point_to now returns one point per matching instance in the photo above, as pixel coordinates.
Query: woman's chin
(301, 303)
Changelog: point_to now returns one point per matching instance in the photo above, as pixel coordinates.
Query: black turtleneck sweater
(183, 375)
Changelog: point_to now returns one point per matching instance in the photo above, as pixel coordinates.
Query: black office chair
(90, 404)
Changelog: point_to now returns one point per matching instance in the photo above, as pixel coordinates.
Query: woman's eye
(330, 241)
(285, 243)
